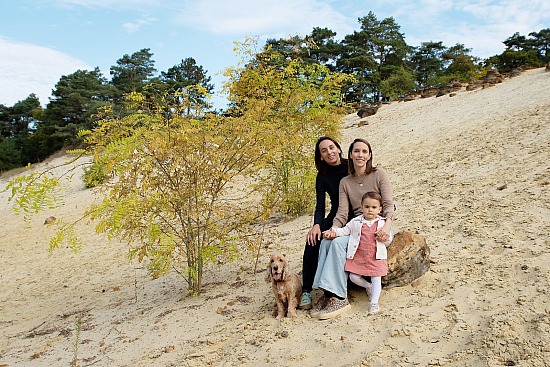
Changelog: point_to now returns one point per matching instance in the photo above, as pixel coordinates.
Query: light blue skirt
(330, 275)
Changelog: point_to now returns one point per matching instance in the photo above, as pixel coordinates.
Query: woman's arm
(341, 217)
(320, 200)
(386, 192)
(314, 233)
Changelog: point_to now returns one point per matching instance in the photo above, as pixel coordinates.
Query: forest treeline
(383, 67)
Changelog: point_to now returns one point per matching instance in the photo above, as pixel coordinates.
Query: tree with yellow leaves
(188, 190)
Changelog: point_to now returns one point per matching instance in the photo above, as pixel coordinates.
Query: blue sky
(41, 40)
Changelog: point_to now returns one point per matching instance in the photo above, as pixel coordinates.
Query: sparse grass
(76, 341)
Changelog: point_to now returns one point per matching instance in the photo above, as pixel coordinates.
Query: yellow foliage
(191, 189)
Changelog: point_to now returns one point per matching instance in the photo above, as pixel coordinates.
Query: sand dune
(471, 173)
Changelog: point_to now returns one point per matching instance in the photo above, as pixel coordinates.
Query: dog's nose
(275, 268)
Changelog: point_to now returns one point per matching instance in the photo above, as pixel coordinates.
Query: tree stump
(408, 259)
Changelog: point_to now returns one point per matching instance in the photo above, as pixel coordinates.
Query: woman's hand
(313, 235)
(383, 235)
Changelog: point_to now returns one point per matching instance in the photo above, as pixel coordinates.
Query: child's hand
(329, 234)
(383, 235)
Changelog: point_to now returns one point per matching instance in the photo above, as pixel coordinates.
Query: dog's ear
(268, 276)
(286, 270)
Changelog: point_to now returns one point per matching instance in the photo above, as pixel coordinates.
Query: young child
(366, 256)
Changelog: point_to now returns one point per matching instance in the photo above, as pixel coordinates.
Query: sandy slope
(471, 173)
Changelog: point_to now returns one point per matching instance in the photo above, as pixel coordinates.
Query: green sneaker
(305, 303)
(334, 308)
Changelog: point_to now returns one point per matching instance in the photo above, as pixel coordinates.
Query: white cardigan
(353, 229)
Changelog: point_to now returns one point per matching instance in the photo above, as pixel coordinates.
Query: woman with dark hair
(331, 276)
(331, 167)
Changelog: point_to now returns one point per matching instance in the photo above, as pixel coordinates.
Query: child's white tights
(376, 286)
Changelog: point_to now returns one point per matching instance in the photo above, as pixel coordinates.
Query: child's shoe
(374, 308)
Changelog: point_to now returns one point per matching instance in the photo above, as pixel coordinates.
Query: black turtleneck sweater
(328, 182)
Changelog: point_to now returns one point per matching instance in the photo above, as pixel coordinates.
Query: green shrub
(94, 175)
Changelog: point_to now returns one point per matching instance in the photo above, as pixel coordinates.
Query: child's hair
(372, 195)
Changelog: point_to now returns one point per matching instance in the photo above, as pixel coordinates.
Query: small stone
(169, 349)
(50, 220)
(155, 354)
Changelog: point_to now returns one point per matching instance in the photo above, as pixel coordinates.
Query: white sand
(471, 173)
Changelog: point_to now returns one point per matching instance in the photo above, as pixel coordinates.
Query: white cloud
(479, 25)
(252, 17)
(27, 68)
(492, 22)
(134, 27)
(519, 12)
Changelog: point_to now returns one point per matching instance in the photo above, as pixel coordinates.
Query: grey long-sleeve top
(350, 193)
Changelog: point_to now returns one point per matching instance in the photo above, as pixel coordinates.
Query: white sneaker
(374, 308)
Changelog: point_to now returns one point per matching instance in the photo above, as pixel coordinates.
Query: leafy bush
(94, 175)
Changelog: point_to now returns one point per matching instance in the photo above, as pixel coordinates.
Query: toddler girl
(366, 255)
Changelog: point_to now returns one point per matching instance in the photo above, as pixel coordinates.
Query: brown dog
(286, 286)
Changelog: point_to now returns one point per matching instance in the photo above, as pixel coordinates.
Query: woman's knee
(340, 244)
(324, 245)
